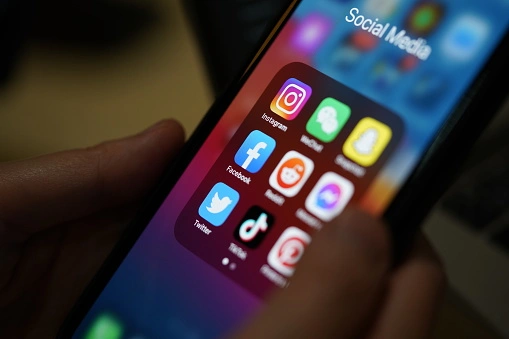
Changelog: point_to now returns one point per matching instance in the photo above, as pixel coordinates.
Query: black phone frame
(433, 174)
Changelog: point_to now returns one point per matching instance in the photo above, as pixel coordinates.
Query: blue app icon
(219, 204)
(255, 151)
(465, 37)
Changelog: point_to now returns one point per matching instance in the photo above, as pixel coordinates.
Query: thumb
(52, 189)
(336, 287)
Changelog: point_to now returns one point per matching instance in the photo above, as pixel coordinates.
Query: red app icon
(288, 250)
(291, 174)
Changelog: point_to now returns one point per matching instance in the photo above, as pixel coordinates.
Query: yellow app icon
(367, 141)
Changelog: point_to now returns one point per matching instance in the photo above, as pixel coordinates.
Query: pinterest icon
(288, 250)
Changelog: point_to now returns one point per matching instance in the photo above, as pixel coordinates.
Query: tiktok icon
(254, 227)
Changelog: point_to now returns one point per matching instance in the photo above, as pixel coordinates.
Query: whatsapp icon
(328, 120)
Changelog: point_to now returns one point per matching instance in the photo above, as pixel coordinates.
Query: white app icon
(330, 196)
(288, 250)
(291, 173)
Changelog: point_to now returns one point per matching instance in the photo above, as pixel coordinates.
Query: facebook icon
(255, 151)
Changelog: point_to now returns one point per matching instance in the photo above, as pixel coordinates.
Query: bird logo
(218, 205)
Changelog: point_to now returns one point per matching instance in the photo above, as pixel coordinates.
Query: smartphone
(367, 103)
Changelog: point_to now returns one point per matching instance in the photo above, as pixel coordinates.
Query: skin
(61, 214)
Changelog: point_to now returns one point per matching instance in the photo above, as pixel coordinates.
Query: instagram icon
(291, 99)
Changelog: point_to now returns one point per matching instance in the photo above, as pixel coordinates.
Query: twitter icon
(218, 204)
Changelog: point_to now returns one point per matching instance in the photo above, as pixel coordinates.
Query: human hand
(61, 214)
(344, 288)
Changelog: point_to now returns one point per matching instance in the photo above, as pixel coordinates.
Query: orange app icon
(291, 174)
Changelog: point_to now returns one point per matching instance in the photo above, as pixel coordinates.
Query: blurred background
(75, 73)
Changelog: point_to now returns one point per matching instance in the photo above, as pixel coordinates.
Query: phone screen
(338, 111)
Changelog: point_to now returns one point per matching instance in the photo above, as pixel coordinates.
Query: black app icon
(254, 227)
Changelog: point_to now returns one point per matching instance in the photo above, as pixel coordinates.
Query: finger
(336, 286)
(55, 188)
(415, 293)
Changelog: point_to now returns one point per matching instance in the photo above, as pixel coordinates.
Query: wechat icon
(328, 120)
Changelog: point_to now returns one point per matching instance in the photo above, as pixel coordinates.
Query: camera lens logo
(291, 174)
(329, 196)
(254, 227)
(291, 99)
(288, 250)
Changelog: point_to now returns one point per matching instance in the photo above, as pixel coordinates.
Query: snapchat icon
(367, 142)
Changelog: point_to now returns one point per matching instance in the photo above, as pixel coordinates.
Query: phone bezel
(433, 174)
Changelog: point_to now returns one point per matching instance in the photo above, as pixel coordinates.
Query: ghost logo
(328, 120)
(367, 142)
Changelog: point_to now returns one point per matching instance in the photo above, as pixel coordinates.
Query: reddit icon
(291, 174)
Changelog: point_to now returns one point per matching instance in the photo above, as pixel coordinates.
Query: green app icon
(105, 327)
(328, 120)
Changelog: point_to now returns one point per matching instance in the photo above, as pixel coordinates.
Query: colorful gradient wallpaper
(338, 111)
